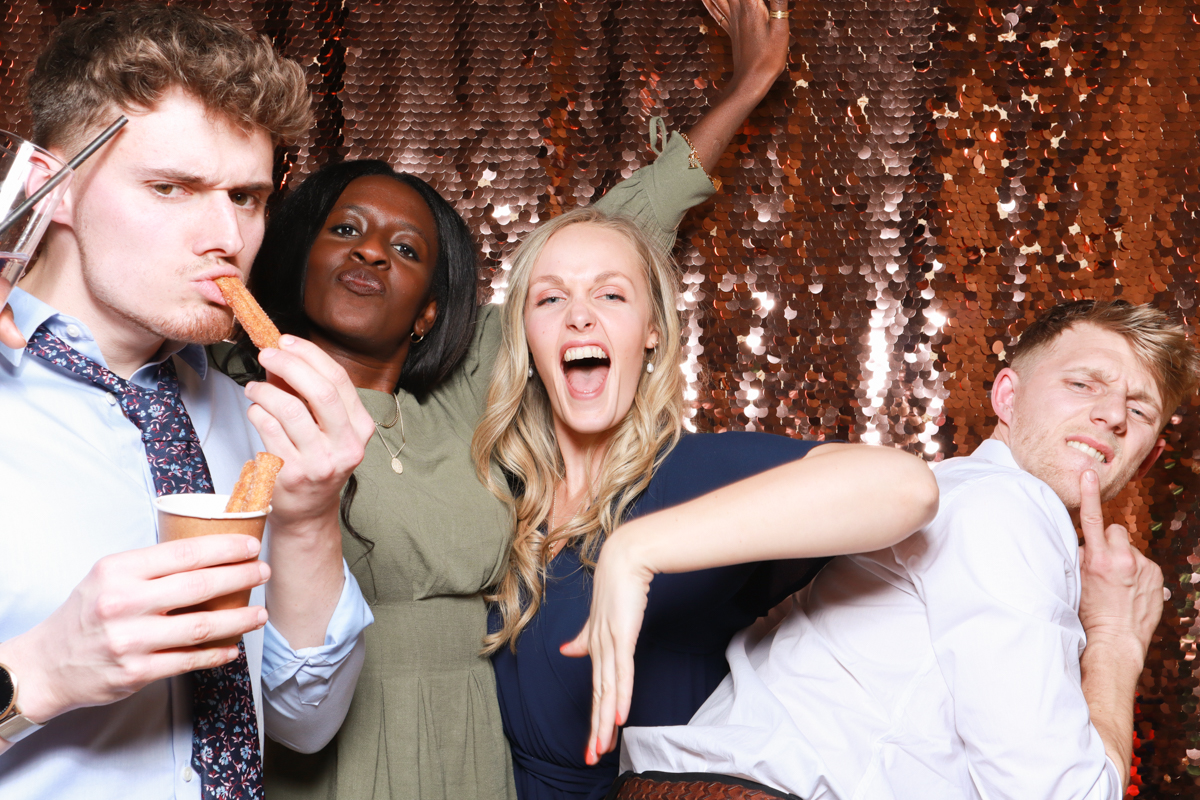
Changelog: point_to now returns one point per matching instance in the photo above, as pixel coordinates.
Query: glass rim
(8, 137)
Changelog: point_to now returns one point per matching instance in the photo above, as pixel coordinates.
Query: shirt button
(73, 331)
(111, 398)
(187, 774)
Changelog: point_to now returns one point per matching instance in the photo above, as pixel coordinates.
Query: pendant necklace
(397, 467)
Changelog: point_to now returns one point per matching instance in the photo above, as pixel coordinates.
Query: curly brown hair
(128, 56)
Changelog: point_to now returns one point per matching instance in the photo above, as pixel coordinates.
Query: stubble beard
(1038, 445)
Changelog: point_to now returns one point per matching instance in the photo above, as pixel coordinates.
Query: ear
(64, 212)
(1004, 394)
(652, 339)
(426, 318)
(1151, 457)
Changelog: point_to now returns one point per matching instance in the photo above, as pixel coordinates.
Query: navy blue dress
(545, 697)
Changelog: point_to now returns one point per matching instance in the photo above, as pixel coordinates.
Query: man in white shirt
(953, 665)
(100, 686)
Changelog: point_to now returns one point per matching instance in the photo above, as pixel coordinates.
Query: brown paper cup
(183, 516)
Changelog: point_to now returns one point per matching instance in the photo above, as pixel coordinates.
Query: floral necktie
(225, 748)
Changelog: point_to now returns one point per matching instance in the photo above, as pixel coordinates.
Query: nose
(220, 228)
(369, 249)
(1111, 411)
(580, 316)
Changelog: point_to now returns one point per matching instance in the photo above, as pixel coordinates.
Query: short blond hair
(129, 56)
(1157, 340)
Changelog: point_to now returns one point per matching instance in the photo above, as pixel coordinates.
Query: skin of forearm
(306, 582)
(1110, 668)
(713, 133)
(838, 499)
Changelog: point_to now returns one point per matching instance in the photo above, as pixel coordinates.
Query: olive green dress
(424, 722)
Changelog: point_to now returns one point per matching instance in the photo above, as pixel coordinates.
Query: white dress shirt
(944, 667)
(75, 486)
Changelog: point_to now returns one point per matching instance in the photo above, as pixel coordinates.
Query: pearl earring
(530, 372)
(650, 360)
(649, 366)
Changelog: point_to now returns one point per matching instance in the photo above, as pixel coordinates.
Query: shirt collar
(30, 313)
(996, 452)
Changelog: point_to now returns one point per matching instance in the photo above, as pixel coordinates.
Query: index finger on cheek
(1091, 513)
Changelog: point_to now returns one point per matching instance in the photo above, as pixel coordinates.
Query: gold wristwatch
(14, 726)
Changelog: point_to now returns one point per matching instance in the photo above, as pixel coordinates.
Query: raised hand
(1121, 593)
(760, 41)
(760, 47)
(319, 427)
(619, 589)
(113, 634)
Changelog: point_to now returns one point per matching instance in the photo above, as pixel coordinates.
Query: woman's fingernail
(287, 340)
(267, 355)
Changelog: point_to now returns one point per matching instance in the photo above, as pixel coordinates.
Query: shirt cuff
(313, 667)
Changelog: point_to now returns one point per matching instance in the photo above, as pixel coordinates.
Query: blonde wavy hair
(517, 430)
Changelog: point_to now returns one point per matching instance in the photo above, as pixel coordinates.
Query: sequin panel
(923, 180)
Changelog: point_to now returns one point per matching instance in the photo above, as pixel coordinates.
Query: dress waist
(557, 776)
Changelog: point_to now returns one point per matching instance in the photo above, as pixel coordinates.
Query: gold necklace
(397, 467)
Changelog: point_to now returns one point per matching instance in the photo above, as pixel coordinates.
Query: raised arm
(1120, 604)
(760, 45)
(841, 498)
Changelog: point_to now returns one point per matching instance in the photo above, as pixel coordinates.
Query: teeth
(577, 353)
(1091, 451)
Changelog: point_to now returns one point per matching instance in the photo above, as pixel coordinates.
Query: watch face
(6, 690)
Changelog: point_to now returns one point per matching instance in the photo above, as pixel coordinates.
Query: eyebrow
(601, 278)
(1100, 375)
(408, 226)
(192, 179)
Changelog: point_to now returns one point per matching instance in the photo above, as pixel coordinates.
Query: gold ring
(779, 15)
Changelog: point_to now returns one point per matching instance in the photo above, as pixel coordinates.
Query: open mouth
(585, 369)
(1088, 450)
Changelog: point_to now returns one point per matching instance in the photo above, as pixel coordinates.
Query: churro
(254, 486)
(266, 470)
(249, 313)
(241, 489)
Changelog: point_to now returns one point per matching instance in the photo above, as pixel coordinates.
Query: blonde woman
(583, 423)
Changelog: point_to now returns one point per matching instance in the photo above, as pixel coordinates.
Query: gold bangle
(779, 15)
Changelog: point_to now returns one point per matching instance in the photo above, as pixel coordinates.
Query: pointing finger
(1091, 513)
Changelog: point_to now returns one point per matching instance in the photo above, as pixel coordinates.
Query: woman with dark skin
(378, 270)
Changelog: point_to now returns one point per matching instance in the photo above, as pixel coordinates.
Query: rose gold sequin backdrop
(923, 180)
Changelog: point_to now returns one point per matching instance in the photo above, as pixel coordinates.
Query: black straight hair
(281, 268)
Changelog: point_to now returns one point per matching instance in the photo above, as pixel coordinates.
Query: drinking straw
(61, 175)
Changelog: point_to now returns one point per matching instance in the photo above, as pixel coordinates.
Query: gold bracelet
(694, 161)
(779, 15)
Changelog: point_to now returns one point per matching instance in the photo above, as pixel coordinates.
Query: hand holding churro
(252, 492)
(249, 313)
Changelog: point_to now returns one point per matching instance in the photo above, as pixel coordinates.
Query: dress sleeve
(307, 692)
(999, 581)
(474, 375)
(658, 195)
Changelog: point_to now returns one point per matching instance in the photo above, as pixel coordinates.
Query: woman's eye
(548, 300)
(613, 296)
(344, 230)
(406, 251)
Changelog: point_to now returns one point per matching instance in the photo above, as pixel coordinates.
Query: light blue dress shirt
(75, 486)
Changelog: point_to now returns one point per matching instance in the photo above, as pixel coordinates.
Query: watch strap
(16, 727)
